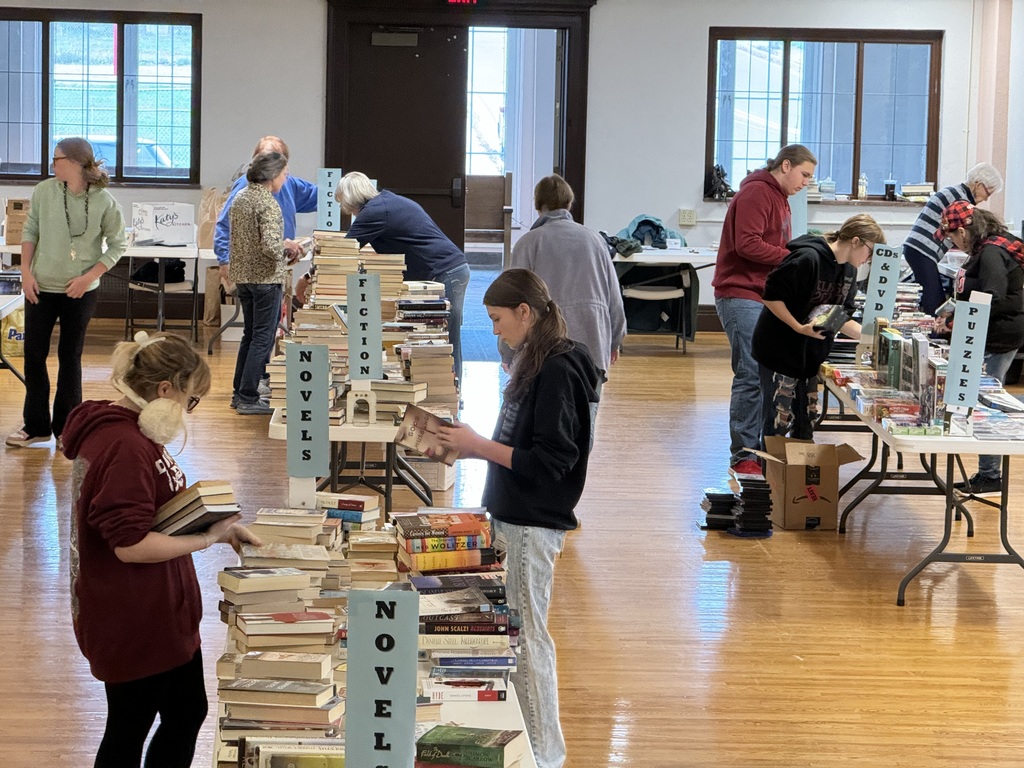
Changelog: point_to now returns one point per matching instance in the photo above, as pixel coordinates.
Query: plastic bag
(13, 328)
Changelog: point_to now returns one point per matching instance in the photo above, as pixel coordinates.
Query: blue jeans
(739, 316)
(530, 563)
(926, 274)
(996, 364)
(261, 309)
(455, 280)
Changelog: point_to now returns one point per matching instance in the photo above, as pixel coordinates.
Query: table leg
(161, 281)
(865, 469)
(871, 488)
(390, 457)
(1003, 513)
(5, 363)
(961, 510)
(413, 480)
(336, 468)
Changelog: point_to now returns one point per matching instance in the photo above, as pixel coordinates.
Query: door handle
(457, 192)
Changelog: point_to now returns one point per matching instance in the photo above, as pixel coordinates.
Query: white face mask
(161, 420)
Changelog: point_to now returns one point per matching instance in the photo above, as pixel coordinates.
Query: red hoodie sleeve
(753, 223)
(122, 506)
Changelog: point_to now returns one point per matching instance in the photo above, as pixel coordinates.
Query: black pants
(178, 696)
(74, 316)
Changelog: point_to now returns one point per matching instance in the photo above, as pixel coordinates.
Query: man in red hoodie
(757, 227)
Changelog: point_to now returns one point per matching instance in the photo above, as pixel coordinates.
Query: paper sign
(164, 223)
(967, 352)
(380, 702)
(880, 300)
(308, 377)
(365, 339)
(328, 209)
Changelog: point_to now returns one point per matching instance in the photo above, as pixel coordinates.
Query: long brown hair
(546, 336)
(79, 151)
(984, 224)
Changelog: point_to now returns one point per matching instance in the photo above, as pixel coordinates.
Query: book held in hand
(196, 508)
(419, 431)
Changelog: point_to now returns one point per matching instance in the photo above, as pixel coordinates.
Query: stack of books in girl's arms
(196, 508)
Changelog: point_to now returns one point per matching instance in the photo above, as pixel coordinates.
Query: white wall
(263, 73)
(648, 103)
(1014, 192)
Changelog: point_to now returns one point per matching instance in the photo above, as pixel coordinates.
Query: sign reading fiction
(880, 300)
(380, 702)
(365, 339)
(308, 375)
(967, 352)
(328, 209)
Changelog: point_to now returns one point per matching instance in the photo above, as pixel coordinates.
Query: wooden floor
(676, 647)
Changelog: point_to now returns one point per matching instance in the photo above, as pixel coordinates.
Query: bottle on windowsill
(862, 187)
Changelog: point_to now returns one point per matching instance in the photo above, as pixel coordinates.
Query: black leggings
(178, 696)
(40, 318)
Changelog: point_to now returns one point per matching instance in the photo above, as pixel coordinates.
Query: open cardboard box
(804, 478)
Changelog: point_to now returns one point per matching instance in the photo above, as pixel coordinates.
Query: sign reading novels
(365, 342)
(880, 300)
(967, 352)
(308, 373)
(380, 705)
(328, 209)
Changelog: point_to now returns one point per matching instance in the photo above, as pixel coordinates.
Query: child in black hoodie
(818, 271)
(537, 466)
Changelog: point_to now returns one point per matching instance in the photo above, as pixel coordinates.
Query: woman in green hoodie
(62, 258)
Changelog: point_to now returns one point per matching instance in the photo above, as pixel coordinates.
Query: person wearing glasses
(258, 264)
(788, 343)
(923, 251)
(62, 259)
(135, 598)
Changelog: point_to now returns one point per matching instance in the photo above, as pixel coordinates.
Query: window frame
(862, 37)
(47, 16)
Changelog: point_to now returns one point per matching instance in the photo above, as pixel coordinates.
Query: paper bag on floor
(13, 328)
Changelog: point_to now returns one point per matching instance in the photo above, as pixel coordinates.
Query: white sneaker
(20, 439)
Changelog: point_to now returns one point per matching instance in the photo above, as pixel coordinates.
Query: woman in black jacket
(995, 265)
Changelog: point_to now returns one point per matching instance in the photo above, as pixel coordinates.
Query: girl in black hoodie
(818, 271)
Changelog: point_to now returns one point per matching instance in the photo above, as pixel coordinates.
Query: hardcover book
(474, 747)
(419, 431)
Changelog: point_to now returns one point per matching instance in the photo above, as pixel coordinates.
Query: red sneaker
(746, 468)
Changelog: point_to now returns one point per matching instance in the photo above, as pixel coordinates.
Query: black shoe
(980, 486)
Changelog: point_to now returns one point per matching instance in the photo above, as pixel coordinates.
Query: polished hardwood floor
(677, 647)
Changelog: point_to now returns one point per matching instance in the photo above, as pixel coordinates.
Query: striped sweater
(922, 235)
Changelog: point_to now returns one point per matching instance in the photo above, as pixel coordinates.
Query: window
(486, 92)
(864, 101)
(127, 82)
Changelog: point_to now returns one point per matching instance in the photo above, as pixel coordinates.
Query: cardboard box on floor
(804, 478)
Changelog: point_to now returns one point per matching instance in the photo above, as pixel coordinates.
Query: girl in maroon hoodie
(134, 595)
(757, 227)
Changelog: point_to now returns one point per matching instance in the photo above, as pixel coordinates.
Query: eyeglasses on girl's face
(193, 401)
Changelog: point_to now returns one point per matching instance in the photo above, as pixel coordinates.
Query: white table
(395, 467)
(161, 253)
(682, 259)
(8, 304)
(931, 446)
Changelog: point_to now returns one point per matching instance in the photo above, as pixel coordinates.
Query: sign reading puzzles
(967, 352)
(380, 702)
(880, 300)
(308, 376)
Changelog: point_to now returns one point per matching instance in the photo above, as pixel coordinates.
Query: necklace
(67, 218)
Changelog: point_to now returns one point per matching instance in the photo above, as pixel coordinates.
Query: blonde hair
(78, 150)
(860, 226)
(147, 361)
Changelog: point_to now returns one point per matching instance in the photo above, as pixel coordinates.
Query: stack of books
(196, 508)
(291, 631)
(432, 363)
(336, 386)
(263, 590)
(289, 526)
(443, 539)
(322, 752)
(371, 559)
(313, 559)
(356, 511)
(752, 511)
(394, 394)
(718, 504)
